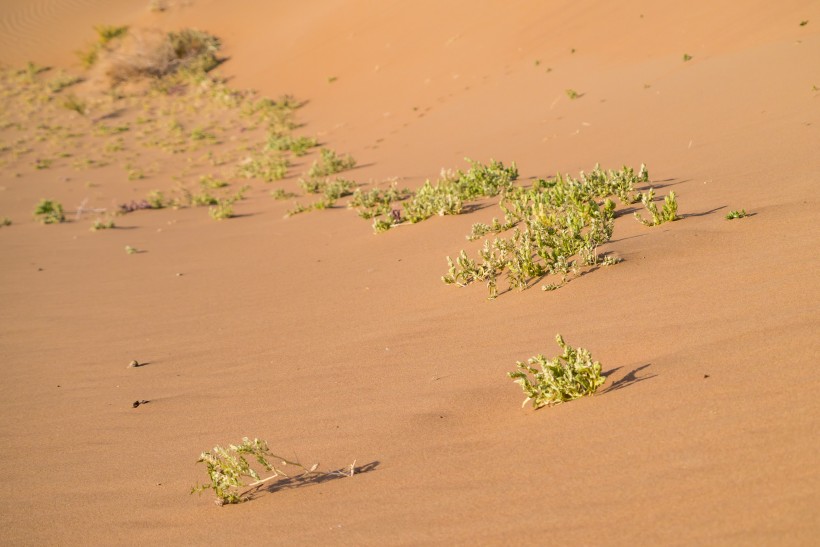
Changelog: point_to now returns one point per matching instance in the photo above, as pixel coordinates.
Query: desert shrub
(155, 54)
(732, 215)
(228, 469)
(330, 163)
(668, 213)
(446, 196)
(75, 104)
(571, 375)
(266, 167)
(563, 222)
(222, 209)
(102, 224)
(49, 212)
(285, 142)
(376, 202)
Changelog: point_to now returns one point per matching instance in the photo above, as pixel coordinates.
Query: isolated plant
(572, 94)
(571, 375)
(280, 194)
(222, 209)
(228, 469)
(668, 213)
(5, 221)
(49, 212)
(736, 214)
(102, 224)
(75, 104)
(330, 163)
(105, 34)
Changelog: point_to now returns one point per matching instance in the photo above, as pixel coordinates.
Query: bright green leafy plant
(668, 213)
(49, 212)
(228, 468)
(737, 214)
(571, 375)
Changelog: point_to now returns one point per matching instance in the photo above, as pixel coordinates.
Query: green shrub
(102, 224)
(564, 221)
(49, 212)
(330, 163)
(569, 376)
(222, 209)
(668, 213)
(737, 214)
(228, 468)
(268, 168)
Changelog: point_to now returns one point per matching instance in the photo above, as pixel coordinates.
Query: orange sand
(336, 344)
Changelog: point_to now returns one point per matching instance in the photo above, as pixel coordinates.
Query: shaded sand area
(336, 344)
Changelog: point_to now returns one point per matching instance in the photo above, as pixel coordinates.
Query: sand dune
(336, 344)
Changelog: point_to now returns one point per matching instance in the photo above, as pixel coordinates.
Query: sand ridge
(338, 344)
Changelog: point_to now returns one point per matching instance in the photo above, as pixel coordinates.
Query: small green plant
(156, 200)
(571, 375)
(58, 83)
(5, 221)
(102, 224)
(297, 209)
(269, 168)
(737, 214)
(49, 212)
(228, 468)
(572, 94)
(79, 106)
(280, 194)
(105, 34)
(298, 145)
(212, 183)
(804, 23)
(330, 163)
(42, 163)
(686, 57)
(222, 209)
(131, 250)
(668, 213)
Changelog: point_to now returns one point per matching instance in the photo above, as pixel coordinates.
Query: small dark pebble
(141, 402)
(705, 376)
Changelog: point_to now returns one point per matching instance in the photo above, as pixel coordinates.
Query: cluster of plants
(571, 375)
(557, 227)
(234, 480)
(447, 196)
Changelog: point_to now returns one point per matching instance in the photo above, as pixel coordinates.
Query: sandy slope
(337, 344)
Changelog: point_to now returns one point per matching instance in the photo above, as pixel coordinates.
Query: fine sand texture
(336, 344)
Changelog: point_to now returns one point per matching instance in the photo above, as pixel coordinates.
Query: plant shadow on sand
(629, 379)
(299, 481)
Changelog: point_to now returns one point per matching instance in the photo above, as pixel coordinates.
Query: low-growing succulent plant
(571, 375)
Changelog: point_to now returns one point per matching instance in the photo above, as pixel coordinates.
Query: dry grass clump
(151, 53)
